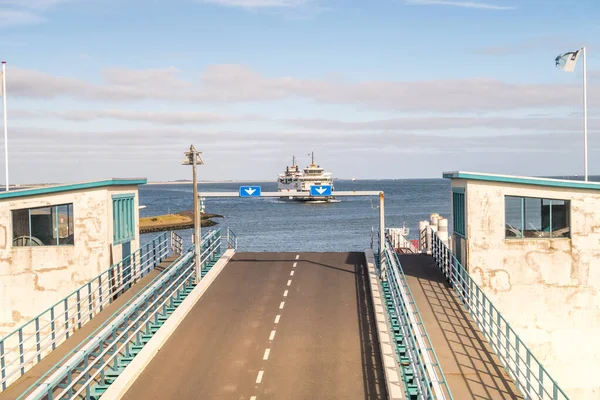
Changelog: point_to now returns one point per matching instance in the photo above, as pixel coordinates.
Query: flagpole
(5, 124)
(585, 156)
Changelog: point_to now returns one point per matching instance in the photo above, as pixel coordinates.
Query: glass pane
(545, 218)
(512, 216)
(42, 226)
(65, 224)
(533, 218)
(20, 226)
(71, 221)
(560, 218)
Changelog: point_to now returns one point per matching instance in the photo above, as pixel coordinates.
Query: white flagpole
(585, 156)
(5, 124)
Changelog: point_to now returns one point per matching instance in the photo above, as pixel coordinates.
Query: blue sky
(378, 89)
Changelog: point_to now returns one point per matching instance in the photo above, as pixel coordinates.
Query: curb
(395, 388)
(122, 384)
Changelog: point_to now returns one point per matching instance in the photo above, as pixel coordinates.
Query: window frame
(123, 218)
(567, 204)
(55, 221)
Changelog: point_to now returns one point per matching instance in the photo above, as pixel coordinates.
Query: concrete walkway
(471, 368)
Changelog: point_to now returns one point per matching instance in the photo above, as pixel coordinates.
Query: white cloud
(42, 154)
(156, 117)
(256, 3)
(236, 83)
(36, 4)
(439, 123)
(462, 4)
(25, 12)
(18, 17)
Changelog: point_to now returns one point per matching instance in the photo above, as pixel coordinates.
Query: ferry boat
(293, 180)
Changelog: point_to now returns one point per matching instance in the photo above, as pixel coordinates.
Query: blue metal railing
(530, 377)
(27, 345)
(88, 365)
(429, 378)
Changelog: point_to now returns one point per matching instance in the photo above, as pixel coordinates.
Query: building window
(43, 226)
(528, 217)
(458, 212)
(123, 218)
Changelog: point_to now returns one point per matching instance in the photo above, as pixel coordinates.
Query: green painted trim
(123, 218)
(457, 189)
(522, 180)
(124, 196)
(71, 187)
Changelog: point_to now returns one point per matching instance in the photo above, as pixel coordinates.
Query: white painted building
(533, 246)
(54, 239)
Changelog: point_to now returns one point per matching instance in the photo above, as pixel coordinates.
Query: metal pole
(5, 123)
(585, 148)
(197, 239)
(381, 226)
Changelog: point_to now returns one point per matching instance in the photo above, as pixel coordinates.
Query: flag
(567, 61)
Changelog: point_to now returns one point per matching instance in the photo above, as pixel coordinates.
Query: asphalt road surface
(274, 326)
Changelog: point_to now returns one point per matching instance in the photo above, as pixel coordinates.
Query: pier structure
(218, 323)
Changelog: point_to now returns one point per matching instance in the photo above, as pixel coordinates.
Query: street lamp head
(189, 157)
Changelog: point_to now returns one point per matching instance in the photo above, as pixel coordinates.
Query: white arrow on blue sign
(249, 191)
(323, 190)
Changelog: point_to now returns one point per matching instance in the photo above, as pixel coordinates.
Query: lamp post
(193, 158)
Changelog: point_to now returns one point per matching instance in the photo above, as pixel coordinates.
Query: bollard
(443, 230)
(433, 219)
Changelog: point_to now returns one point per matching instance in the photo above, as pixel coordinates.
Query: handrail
(431, 383)
(231, 239)
(176, 243)
(27, 345)
(86, 364)
(530, 377)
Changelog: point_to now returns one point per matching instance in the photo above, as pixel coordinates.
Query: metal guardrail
(176, 243)
(430, 380)
(530, 377)
(26, 346)
(231, 239)
(90, 363)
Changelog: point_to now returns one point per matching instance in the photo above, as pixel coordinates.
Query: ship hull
(307, 199)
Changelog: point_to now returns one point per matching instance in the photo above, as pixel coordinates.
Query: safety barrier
(26, 346)
(421, 370)
(530, 377)
(92, 367)
(176, 243)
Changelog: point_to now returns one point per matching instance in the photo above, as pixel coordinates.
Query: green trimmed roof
(70, 187)
(523, 180)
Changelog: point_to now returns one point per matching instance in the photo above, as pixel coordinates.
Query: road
(274, 326)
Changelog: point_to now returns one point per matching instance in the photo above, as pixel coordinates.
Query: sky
(376, 88)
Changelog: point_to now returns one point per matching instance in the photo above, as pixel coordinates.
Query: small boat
(295, 181)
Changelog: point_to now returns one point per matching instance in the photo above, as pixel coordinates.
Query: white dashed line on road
(260, 376)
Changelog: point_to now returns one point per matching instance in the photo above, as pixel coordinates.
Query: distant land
(591, 178)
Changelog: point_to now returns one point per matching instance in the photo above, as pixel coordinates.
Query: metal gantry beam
(290, 194)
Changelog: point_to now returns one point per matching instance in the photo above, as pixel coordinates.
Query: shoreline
(203, 182)
(176, 221)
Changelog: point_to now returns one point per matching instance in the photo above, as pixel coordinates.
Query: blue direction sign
(249, 191)
(323, 190)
